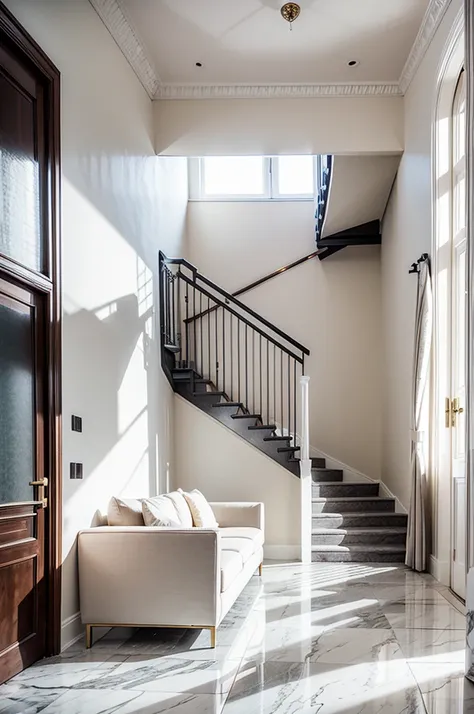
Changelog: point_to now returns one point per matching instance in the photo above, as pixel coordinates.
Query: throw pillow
(125, 512)
(203, 516)
(184, 514)
(160, 511)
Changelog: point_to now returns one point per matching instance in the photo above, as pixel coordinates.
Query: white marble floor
(325, 638)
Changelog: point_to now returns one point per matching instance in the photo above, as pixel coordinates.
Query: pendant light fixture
(290, 11)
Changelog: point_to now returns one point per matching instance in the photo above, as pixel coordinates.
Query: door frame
(440, 453)
(14, 36)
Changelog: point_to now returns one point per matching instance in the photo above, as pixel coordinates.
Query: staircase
(351, 522)
(235, 366)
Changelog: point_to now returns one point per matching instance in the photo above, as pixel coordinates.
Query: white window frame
(196, 172)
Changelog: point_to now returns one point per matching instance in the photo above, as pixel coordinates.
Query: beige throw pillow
(125, 512)
(160, 511)
(203, 516)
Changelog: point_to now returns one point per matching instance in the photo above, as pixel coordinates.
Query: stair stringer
(351, 474)
(226, 467)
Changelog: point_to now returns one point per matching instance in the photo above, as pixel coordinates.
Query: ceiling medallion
(290, 11)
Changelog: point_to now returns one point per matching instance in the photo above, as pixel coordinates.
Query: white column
(305, 474)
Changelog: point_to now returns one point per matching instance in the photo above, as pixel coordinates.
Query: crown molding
(275, 91)
(120, 27)
(431, 21)
(131, 46)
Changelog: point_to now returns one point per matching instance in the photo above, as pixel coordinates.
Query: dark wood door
(22, 478)
(29, 352)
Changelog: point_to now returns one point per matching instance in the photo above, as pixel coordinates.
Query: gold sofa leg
(213, 637)
(88, 636)
(260, 569)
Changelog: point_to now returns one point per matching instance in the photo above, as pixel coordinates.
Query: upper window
(250, 178)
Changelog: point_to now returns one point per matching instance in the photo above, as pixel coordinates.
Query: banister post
(305, 474)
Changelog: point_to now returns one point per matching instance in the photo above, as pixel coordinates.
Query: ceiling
(247, 42)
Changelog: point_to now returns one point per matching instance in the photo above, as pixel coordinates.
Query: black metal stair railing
(324, 166)
(240, 354)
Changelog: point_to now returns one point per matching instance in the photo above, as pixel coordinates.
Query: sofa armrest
(239, 514)
(137, 575)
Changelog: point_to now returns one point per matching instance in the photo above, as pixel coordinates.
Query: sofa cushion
(203, 516)
(160, 511)
(231, 566)
(253, 534)
(243, 546)
(125, 512)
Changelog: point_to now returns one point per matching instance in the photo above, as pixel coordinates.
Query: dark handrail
(220, 303)
(230, 298)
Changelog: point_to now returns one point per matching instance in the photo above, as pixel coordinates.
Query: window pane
(295, 175)
(234, 175)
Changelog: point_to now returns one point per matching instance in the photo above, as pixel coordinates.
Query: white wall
(120, 205)
(332, 307)
(279, 126)
(227, 468)
(407, 232)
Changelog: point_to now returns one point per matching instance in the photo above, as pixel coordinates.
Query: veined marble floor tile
(338, 646)
(444, 688)
(21, 699)
(303, 688)
(433, 646)
(145, 673)
(62, 672)
(420, 615)
(91, 701)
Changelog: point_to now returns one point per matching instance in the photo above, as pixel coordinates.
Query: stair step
(262, 427)
(358, 554)
(247, 416)
(287, 449)
(360, 520)
(277, 438)
(349, 536)
(212, 395)
(322, 474)
(350, 504)
(318, 463)
(348, 488)
(228, 404)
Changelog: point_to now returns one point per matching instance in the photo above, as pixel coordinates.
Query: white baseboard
(440, 570)
(72, 630)
(351, 474)
(386, 493)
(282, 552)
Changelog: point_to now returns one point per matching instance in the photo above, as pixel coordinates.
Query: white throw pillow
(203, 516)
(184, 513)
(160, 511)
(125, 512)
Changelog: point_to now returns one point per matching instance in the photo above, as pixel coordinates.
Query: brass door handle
(44, 482)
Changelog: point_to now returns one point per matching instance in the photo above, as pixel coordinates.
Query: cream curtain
(417, 552)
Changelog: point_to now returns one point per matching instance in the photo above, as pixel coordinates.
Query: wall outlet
(75, 470)
(76, 423)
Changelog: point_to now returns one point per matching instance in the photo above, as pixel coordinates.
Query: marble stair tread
(355, 548)
(346, 488)
(351, 536)
(365, 519)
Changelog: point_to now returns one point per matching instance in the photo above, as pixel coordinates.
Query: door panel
(22, 438)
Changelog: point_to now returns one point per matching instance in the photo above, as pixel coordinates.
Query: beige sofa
(166, 577)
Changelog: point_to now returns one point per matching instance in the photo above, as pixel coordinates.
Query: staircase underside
(365, 234)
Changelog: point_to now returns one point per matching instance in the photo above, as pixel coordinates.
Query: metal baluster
(194, 328)
(223, 350)
(294, 403)
(173, 311)
(268, 383)
(201, 371)
(254, 411)
(217, 355)
(246, 370)
(208, 340)
(260, 380)
(186, 300)
(231, 361)
(274, 385)
(238, 356)
(281, 385)
(289, 398)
